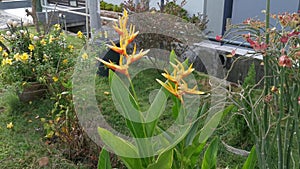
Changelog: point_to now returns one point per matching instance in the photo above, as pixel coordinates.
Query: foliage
(110, 7)
(23, 146)
(57, 121)
(32, 57)
(131, 6)
(172, 8)
(174, 149)
(273, 116)
(169, 7)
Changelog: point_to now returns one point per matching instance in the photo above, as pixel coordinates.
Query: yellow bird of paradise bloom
(126, 37)
(180, 87)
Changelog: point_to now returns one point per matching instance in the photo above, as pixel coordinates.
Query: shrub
(33, 57)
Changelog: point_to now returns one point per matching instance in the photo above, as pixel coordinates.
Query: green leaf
(126, 105)
(118, 145)
(193, 133)
(251, 160)
(132, 163)
(210, 126)
(173, 57)
(228, 110)
(212, 123)
(210, 155)
(164, 161)
(193, 152)
(104, 160)
(157, 107)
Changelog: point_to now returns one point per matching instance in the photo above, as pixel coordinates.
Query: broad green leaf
(193, 152)
(192, 134)
(104, 160)
(157, 107)
(210, 155)
(228, 109)
(118, 145)
(164, 161)
(132, 163)
(126, 105)
(212, 124)
(251, 159)
(123, 99)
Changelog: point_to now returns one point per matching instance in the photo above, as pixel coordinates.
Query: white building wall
(215, 11)
(192, 6)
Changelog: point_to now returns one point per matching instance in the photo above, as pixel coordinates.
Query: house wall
(243, 9)
(192, 6)
(215, 11)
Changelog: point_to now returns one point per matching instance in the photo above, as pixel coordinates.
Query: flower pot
(33, 91)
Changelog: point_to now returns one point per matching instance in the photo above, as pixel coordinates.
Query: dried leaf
(43, 161)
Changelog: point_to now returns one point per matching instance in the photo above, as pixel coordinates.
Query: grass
(24, 145)
(144, 86)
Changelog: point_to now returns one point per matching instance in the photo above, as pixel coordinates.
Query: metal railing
(69, 9)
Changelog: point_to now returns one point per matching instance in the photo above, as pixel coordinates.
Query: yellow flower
(5, 54)
(31, 47)
(1, 48)
(119, 68)
(65, 61)
(80, 34)
(31, 36)
(71, 47)
(17, 57)
(43, 42)
(6, 61)
(50, 134)
(55, 79)
(9, 125)
(85, 56)
(45, 58)
(126, 37)
(180, 87)
(57, 27)
(51, 39)
(24, 57)
(172, 89)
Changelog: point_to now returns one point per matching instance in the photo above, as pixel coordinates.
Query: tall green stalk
(266, 86)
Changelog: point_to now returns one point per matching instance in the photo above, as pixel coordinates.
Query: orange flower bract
(126, 37)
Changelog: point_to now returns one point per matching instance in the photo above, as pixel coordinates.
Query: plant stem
(266, 84)
(281, 113)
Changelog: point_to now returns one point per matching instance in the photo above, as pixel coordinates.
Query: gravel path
(14, 14)
(3, 19)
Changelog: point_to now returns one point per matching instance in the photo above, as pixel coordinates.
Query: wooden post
(95, 20)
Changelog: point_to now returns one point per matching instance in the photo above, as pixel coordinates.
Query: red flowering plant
(273, 116)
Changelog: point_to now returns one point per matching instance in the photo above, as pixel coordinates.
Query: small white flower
(15, 24)
(9, 22)
(8, 33)
(22, 31)
(13, 36)
(25, 23)
(36, 38)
